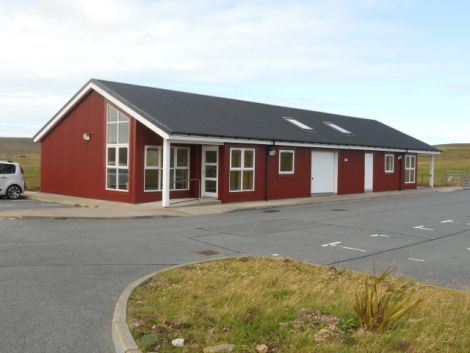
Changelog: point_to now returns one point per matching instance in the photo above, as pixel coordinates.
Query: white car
(12, 182)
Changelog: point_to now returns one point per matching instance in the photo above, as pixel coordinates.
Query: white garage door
(324, 172)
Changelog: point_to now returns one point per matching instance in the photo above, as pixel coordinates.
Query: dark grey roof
(195, 114)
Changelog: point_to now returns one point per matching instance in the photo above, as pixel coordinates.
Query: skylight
(298, 123)
(338, 128)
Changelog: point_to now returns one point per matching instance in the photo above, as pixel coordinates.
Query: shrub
(379, 305)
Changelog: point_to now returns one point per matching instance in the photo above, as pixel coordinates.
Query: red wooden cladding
(350, 172)
(72, 166)
(290, 185)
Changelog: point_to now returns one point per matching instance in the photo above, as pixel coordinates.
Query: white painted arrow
(423, 228)
(331, 244)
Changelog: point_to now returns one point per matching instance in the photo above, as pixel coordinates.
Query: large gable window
(179, 168)
(389, 163)
(117, 150)
(410, 169)
(242, 169)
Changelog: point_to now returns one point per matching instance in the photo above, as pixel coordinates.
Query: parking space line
(413, 259)
(356, 249)
(379, 235)
(422, 227)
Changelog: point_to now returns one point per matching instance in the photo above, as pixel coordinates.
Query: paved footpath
(59, 279)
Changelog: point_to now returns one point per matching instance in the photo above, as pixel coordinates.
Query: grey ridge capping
(196, 115)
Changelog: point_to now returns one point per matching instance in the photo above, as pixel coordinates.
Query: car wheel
(13, 192)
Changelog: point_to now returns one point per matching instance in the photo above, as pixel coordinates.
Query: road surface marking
(413, 259)
(348, 248)
(275, 255)
(423, 228)
(336, 243)
(380, 235)
(331, 244)
(448, 221)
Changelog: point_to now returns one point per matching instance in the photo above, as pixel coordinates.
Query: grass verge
(285, 304)
(30, 163)
(455, 158)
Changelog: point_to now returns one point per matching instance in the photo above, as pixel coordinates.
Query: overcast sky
(405, 63)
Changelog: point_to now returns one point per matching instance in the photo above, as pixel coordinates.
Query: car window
(7, 168)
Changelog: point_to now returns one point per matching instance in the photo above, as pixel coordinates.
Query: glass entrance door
(210, 170)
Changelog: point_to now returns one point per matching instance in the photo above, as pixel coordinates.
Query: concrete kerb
(122, 337)
(219, 209)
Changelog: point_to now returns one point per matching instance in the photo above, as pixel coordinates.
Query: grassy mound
(288, 306)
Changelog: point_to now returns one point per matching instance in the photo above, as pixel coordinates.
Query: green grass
(455, 158)
(284, 304)
(25, 152)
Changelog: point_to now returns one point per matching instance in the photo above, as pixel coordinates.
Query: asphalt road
(59, 279)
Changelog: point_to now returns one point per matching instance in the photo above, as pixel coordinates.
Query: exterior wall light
(86, 136)
(272, 151)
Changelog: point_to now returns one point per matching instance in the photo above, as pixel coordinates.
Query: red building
(135, 144)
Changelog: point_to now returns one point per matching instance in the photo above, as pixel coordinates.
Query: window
(117, 150)
(286, 162)
(152, 173)
(389, 163)
(337, 128)
(179, 168)
(7, 168)
(410, 169)
(298, 123)
(242, 169)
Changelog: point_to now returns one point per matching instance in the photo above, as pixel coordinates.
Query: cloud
(186, 40)
(51, 47)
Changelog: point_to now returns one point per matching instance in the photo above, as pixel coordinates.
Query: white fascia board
(216, 140)
(91, 86)
(339, 147)
(432, 153)
(191, 139)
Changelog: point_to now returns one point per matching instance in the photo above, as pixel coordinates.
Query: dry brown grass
(250, 301)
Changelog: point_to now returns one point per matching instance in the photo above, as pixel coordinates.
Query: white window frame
(116, 147)
(287, 172)
(242, 168)
(412, 168)
(389, 171)
(173, 169)
(159, 168)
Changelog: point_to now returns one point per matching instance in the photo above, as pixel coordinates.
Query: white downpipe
(166, 173)
(431, 172)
